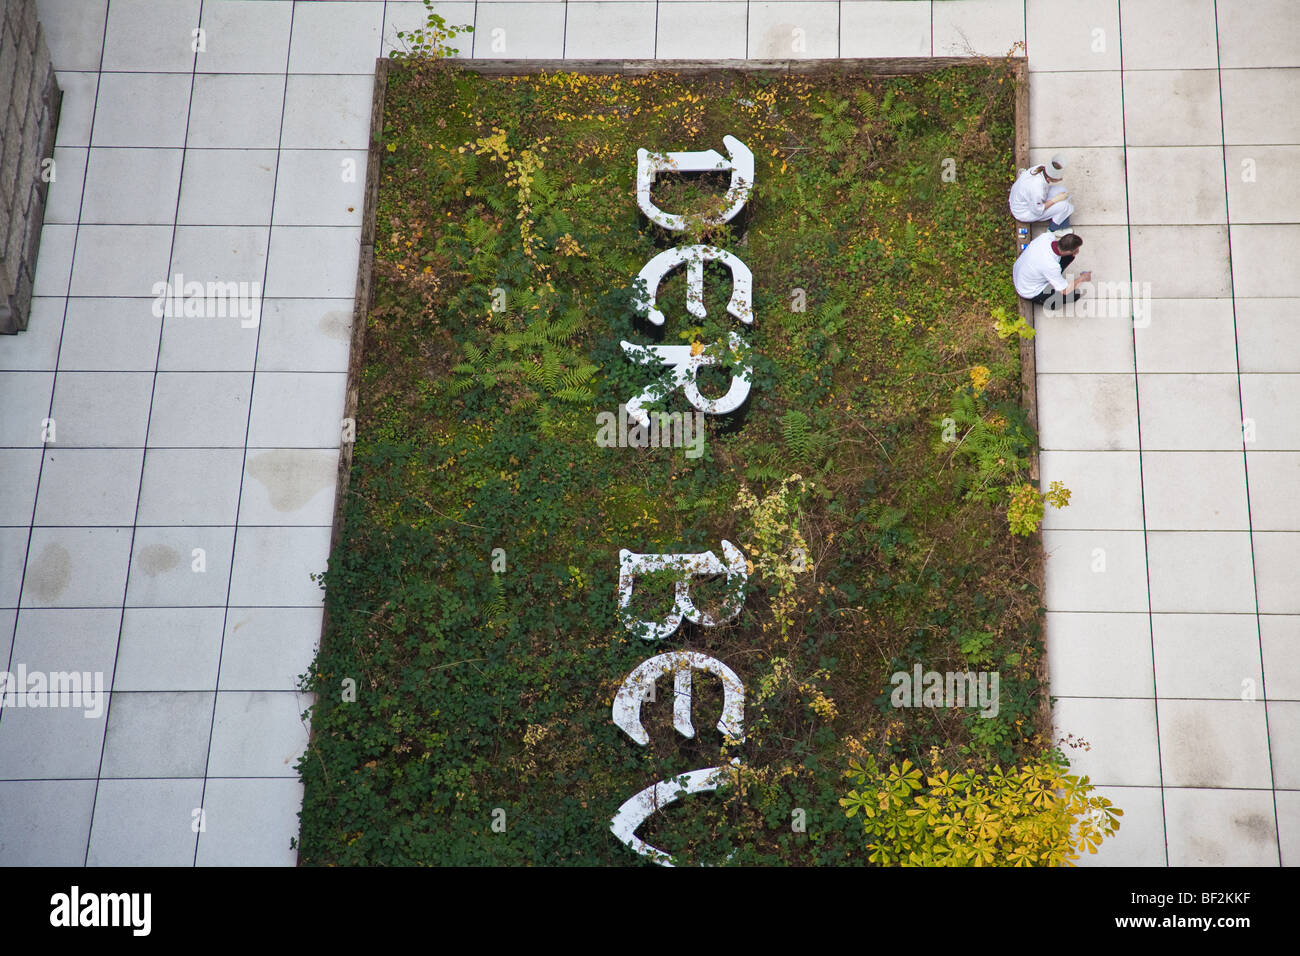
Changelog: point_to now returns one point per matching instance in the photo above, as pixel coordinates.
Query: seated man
(1037, 195)
(1037, 273)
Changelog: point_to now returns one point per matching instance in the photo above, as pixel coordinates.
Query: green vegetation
(507, 243)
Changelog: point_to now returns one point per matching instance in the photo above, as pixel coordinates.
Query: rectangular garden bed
(473, 648)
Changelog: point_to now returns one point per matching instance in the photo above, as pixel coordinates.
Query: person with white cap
(1037, 195)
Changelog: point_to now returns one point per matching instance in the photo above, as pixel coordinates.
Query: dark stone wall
(29, 115)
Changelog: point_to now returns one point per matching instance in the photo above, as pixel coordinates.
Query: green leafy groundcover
(507, 242)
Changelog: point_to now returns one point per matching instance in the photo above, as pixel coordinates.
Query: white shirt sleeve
(1028, 195)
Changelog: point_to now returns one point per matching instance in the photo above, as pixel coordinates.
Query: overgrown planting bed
(507, 241)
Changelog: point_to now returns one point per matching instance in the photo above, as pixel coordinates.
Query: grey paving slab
(1288, 825)
(269, 648)
(1273, 477)
(100, 269)
(1085, 38)
(313, 261)
(320, 187)
(50, 743)
(1221, 827)
(1283, 731)
(1201, 571)
(1096, 182)
(63, 200)
(190, 486)
(1121, 734)
(1095, 571)
(1258, 33)
(142, 109)
(335, 38)
(255, 734)
(879, 28)
(89, 486)
(157, 734)
(978, 27)
(1190, 412)
(54, 264)
(37, 349)
(216, 344)
(220, 254)
(20, 466)
(1268, 401)
(52, 640)
(516, 30)
(1279, 635)
(1076, 109)
(200, 409)
(101, 409)
(273, 567)
(1187, 335)
(1262, 185)
(169, 648)
(239, 110)
(793, 29)
(76, 108)
(305, 335)
(1172, 108)
(1195, 490)
(1083, 343)
(707, 29)
(1266, 332)
(1176, 185)
(250, 822)
(598, 29)
(1100, 655)
(25, 397)
(1277, 554)
(296, 410)
(227, 187)
(245, 36)
(1087, 412)
(145, 823)
(1182, 262)
(13, 555)
(326, 112)
(1140, 840)
(45, 822)
(151, 35)
(1213, 656)
(110, 335)
(1169, 34)
(1105, 489)
(285, 486)
(74, 31)
(1214, 743)
(1254, 253)
(185, 567)
(1250, 114)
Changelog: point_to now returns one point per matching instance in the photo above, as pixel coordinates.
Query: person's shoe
(1063, 231)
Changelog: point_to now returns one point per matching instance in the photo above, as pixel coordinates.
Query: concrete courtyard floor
(185, 444)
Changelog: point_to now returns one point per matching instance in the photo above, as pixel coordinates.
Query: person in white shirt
(1038, 272)
(1038, 196)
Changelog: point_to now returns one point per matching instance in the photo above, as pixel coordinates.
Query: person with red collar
(1038, 272)
(1038, 196)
